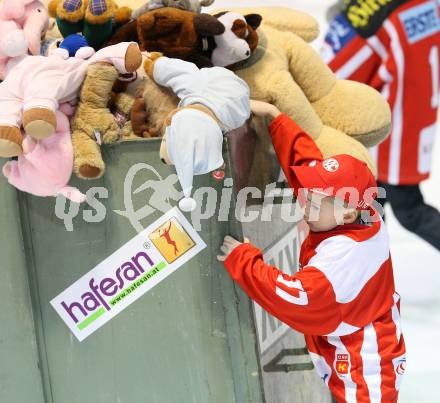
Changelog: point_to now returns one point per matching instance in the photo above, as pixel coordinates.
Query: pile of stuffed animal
(78, 74)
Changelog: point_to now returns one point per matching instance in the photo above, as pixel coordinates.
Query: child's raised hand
(229, 244)
(264, 109)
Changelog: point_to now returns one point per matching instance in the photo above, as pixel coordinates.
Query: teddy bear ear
(254, 20)
(208, 25)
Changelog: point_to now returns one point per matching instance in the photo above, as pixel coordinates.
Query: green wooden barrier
(190, 339)
(20, 378)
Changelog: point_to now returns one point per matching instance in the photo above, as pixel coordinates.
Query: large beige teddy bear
(342, 116)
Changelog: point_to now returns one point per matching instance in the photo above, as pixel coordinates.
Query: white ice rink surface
(416, 264)
(417, 274)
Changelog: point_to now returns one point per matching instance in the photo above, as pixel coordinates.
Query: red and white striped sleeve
(350, 56)
(293, 146)
(346, 282)
(305, 301)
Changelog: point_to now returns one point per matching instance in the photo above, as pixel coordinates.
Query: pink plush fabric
(14, 9)
(12, 44)
(22, 25)
(45, 167)
(46, 82)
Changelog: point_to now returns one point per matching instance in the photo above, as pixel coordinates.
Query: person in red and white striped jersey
(393, 46)
(343, 298)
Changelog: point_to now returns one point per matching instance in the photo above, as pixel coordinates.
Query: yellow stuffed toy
(343, 117)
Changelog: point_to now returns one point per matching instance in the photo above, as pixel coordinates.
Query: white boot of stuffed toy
(186, 204)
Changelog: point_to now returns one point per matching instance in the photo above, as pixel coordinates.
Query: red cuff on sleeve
(232, 257)
(280, 120)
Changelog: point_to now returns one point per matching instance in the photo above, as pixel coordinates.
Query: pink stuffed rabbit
(14, 9)
(22, 25)
(45, 167)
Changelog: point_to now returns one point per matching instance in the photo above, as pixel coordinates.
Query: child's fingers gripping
(229, 244)
(232, 242)
(226, 250)
(221, 258)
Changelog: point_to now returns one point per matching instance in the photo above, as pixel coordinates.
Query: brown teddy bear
(147, 118)
(176, 33)
(153, 103)
(102, 117)
(198, 38)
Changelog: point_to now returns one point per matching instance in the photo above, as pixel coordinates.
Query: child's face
(323, 213)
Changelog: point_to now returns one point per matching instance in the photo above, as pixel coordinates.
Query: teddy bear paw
(149, 63)
(151, 132)
(87, 171)
(11, 141)
(123, 15)
(39, 123)
(155, 55)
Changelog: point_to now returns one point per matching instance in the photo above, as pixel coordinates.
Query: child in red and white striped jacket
(343, 298)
